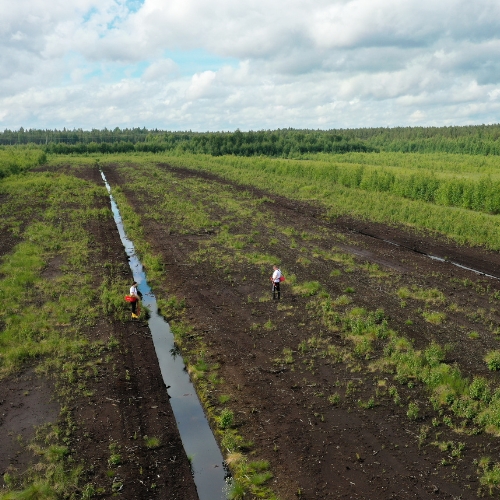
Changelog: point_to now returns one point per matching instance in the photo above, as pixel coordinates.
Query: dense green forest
(268, 143)
(286, 143)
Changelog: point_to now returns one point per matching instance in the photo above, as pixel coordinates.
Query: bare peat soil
(129, 400)
(132, 405)
(318, 449)
(25, 399)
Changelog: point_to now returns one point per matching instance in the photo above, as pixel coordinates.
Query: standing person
(275, 279)
(134, 293)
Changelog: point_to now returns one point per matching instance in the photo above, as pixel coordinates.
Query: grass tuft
(151, 442)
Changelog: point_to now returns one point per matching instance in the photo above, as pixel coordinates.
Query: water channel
(432, 257)
(209, 471)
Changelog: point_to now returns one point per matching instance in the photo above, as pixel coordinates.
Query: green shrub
(226, 418)
(491, 477)
(412, 412)
(479, 389)
(434, 317)
(334, 399)
(237, 492)
(151, 442)
(18, 159)
(493, 360)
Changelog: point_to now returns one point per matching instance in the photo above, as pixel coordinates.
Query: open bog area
(374, 376)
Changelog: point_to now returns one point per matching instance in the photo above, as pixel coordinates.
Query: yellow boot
(134, 315)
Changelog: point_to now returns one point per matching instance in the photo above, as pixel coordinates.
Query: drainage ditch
(433, 257)
(211, 476)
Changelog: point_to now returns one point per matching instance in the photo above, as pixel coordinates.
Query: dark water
(210, 475)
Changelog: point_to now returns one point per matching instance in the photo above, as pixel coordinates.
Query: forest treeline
(476, 140)
(281, 143)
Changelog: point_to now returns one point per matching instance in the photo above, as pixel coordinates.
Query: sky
(249, 64)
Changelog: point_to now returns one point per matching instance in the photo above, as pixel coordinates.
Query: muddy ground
(129, 400)
(316, 449)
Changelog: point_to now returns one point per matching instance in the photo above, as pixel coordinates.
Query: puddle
(209, 471)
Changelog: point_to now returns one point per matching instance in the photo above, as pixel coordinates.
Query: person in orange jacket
(134, 292)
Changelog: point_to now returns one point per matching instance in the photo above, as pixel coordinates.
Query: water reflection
(210, 473)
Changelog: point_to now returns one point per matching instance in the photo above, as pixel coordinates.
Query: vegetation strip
(44, 316)
(472, 139)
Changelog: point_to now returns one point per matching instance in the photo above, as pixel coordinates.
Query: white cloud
(160, 70)
(417, 116)
(328, 63)
(201, 85)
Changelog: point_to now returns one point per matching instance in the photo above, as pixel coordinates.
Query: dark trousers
(276, 289)
(134, 304)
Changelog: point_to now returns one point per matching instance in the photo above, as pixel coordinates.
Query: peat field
(312, 379)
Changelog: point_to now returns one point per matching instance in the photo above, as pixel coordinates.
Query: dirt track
(316, 449)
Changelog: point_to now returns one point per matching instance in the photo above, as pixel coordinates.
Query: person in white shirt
(275, 279)
(137, 296)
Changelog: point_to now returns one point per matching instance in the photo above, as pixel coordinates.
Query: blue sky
(222, 65)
